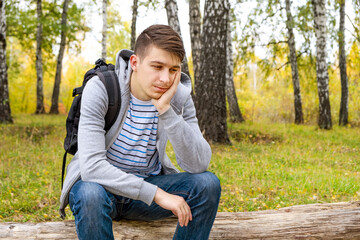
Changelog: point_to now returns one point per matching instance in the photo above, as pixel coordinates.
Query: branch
(270, 43)
(357, 37)
(269, 16)
(299, 55)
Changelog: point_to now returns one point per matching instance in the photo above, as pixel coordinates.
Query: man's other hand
(174, 203)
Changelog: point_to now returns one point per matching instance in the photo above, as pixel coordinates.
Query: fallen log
(313, 221)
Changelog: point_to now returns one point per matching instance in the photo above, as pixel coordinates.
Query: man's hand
(174, 203)
(163, 103)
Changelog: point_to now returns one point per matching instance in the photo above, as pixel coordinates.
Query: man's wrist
(163, 109)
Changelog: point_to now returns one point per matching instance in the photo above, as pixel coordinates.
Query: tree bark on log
(313, 221)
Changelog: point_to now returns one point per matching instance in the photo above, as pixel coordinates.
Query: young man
(125, 173)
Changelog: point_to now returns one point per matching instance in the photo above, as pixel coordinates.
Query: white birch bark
(344, 104)
(173, 20)
(39, 63)
(133, 24)
(322, 76)
(195, 36)
(235, 113)
(5, 112)
(56, 91)
(210, 91)
(104, 29)
(294, 66)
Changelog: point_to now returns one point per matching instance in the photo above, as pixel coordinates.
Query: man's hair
(160, 36)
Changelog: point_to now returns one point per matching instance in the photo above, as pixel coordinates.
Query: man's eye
(157, 67)
(173, 70)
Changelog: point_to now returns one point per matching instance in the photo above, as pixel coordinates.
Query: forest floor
(268, 166)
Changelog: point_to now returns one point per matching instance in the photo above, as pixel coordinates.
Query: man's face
(153, 74)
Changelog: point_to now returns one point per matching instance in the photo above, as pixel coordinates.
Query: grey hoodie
(179, 125)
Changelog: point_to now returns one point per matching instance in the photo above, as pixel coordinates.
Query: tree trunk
(55, 96)
(322, 76)
(39, 64)
(313, 221)
(344, 105)
(299, 119)
(173, 20)
(133, 24)
(195, 36)
(104, 29)
(235, 113)
(5, 112)
(210, 90)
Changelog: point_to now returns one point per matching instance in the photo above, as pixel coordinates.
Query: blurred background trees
(274, 52)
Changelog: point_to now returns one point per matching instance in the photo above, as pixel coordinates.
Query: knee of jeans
(88, 196)
(209, 183)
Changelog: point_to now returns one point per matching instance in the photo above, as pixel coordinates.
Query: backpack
(108, 77)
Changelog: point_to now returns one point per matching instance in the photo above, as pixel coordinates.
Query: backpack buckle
(100, 62)
(76, 91)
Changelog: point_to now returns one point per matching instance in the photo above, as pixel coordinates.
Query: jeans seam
(71, 196)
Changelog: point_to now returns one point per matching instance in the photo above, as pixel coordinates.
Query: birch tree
(235, 113)
(104, 29)
(344, 104)
(210, 90)
(173, 20)
(133, 24)
(55, 96)
(5, 112)
(322, 75)
(195, 36)
(39, 62)
(299, 119)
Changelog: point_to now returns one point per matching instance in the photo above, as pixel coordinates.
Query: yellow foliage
(273, 98)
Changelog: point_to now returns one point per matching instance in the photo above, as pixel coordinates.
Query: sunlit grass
(30, 168)
(268, 166)
(277, 165)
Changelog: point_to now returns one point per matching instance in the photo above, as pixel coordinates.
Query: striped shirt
(134, 150)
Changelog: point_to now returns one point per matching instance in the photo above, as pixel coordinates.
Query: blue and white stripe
(134, 150)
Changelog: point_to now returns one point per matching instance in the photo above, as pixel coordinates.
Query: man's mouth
(160, 89)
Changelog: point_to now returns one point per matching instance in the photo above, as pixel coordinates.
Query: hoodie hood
(123, 71)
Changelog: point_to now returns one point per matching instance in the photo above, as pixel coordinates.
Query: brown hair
(161, 36)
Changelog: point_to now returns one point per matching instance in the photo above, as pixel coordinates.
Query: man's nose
(165, 76)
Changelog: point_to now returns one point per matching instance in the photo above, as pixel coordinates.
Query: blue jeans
(95, 208)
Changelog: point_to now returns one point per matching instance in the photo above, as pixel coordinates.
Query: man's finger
(187, 214)
(181, 218)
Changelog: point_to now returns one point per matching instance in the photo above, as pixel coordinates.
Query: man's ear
(134, 62)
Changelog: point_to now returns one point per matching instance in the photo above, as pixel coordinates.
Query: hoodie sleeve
(94, 166)
(193, 153)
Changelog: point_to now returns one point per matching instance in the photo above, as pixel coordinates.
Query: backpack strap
(112, 86)
(106, 73)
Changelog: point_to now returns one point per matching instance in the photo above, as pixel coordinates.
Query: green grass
(267, 166)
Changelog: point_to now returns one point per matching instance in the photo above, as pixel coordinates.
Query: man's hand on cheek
(163, 103)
